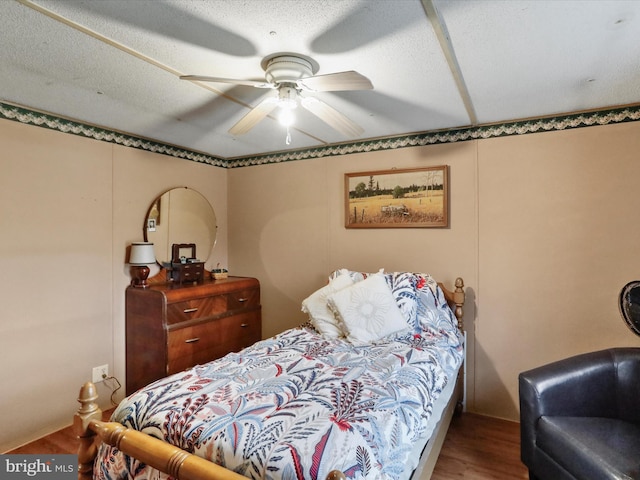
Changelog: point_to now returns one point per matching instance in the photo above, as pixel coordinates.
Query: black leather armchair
(580, 417)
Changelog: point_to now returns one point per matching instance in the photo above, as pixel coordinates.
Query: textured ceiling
(434, 64)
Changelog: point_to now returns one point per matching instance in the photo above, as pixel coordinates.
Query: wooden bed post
(88, 412)
(458, 300)
(455, 299)
(336, 475)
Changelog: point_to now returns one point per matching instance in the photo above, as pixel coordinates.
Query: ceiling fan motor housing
(290, 73)
(288, 68)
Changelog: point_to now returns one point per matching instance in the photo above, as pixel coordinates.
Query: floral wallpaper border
(561, 122)
(25, 115)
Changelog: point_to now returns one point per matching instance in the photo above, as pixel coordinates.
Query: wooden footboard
(161, 455)
(156, 453)
(152, 451)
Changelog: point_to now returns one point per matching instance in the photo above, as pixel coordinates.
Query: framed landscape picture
(416, 197)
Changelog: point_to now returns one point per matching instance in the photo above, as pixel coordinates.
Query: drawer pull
(244, 325)
(190, 310)
(242, 300)
(192, 340)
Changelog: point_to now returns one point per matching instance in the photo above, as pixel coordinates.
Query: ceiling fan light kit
(288, 96)
(291, 74)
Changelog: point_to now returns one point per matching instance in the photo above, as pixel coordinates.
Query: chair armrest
(580, 386)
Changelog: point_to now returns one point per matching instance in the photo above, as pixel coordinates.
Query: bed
(366, 389)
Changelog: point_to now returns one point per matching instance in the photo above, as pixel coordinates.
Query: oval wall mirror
(629, 303)
(180, 215)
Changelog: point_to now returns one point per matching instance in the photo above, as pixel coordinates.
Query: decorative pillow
(367, 310)
(355, 276)
(320, 316)
(403, 287)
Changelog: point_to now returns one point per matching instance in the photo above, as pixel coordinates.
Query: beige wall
(558, 239)
(69, 207)
(543, 230)
(286, 224)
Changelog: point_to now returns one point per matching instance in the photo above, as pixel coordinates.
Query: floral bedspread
(297, 405)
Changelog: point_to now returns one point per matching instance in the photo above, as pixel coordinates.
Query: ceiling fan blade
(252, 118)
(332, 117)
(248, 83)
(333, 82)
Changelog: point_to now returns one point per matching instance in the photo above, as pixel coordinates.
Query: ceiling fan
(292, 74)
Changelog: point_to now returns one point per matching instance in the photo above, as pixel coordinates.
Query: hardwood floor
(476, 448)
(62, 441)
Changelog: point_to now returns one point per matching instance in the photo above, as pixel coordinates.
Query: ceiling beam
(440, 28)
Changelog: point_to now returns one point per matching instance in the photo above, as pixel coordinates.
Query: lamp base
(139, 275)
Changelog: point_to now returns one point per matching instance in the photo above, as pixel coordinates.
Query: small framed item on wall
(415, 198)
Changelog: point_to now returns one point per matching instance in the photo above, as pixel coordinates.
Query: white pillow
(319, 314)
(367, 310)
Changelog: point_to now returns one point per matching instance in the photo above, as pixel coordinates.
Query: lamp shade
(142, 253)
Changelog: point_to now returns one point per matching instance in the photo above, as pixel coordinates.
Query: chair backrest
(627, 365)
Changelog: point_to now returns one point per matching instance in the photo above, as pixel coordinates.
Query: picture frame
(155, 210)
(398, 198)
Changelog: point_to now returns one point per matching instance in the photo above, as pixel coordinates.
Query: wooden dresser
(172, 327)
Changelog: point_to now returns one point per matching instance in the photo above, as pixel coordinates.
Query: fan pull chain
(288, 138)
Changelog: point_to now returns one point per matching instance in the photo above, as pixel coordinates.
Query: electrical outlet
(100, 373)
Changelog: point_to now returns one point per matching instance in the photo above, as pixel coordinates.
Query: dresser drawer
(243, 330)
(172, 326)
(202, 343)
(243, 299)
(196, 308)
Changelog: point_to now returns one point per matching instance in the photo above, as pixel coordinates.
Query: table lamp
(140, 257)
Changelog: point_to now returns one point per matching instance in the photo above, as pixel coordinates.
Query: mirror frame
(161, 261)
(630, 315)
